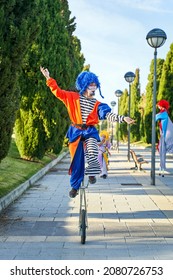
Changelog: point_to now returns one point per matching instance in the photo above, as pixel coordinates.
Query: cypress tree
(149, 97)
(42, 119)
(123, 110)
(142, 106)
(18, 27)
(166, 81)
(135, 114)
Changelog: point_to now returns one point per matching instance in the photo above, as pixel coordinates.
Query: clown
(84, 112)
(166, 133)
(104, 147)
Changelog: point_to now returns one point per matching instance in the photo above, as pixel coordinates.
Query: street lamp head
(113, 103)
(118, 93)
(129, 77)
(156, 38)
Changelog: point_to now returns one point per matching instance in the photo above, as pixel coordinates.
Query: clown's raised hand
(45, 72)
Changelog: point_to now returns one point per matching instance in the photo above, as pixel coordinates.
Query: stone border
(13, 195)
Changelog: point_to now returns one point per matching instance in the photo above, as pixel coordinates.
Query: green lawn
(14, 170)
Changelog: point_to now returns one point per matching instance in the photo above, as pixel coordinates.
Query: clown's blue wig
(84, 79)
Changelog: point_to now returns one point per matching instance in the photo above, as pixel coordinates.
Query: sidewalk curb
(13, 195)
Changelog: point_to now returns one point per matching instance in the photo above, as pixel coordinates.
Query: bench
(138, 160)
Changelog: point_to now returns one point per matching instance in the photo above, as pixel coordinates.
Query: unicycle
(83, 222)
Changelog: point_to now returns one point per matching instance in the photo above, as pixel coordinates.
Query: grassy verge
(14, 170)
(140, 143)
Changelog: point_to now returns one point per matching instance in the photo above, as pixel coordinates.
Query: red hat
(163, 103)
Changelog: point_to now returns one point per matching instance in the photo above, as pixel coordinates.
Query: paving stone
(127, 217)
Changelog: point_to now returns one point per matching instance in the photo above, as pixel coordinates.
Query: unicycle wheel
(83, 226)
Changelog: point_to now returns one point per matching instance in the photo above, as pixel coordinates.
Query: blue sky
(113, 38)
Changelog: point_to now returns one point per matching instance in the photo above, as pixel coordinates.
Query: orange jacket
(72, 102)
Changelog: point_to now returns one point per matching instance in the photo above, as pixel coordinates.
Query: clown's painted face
(90, 91)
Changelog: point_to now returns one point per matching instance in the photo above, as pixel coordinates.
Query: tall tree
(166, 81)
(123, 110)
(18, 27)
(134, 112)
(149, 97)
(42, 119)
(142, 106)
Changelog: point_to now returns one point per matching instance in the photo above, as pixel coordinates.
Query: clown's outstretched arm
(52, 84)
(119, 118)
(104, 112)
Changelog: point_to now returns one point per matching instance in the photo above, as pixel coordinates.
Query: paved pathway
(128, 218)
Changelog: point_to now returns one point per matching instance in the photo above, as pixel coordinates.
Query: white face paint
(91, 90)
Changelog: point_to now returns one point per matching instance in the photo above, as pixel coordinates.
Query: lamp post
(118, 94)
(155, 38)
(113, 103)
(129, 77)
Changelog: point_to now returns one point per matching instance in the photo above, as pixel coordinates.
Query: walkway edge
(13, 195)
